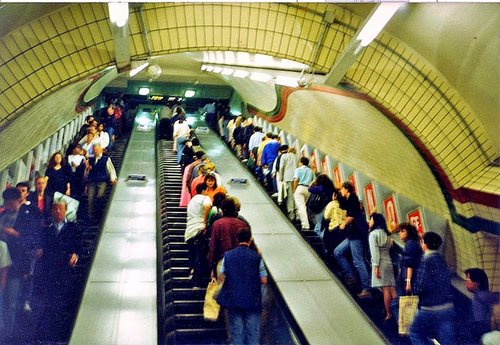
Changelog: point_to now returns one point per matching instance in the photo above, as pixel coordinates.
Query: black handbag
(317, 202)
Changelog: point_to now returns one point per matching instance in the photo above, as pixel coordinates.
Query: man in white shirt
(197, 215)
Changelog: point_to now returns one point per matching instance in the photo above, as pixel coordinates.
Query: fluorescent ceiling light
(143, 91)
(263, 59)
(136, 70)
(189, 93)
(227, 71)
(118, 13)
(377, 21)
(240, 74)
(243, 58)
(286, 81)
(260, 76)
(229, 57)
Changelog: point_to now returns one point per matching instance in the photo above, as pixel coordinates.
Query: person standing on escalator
(356, 228)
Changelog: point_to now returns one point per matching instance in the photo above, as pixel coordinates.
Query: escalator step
(201, 336)
(189, 294)
(188, 306)
(195, 321)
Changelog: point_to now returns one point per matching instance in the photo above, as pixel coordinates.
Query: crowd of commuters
(40, 241)
(360, 250)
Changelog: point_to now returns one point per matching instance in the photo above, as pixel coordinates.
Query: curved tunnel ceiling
(75, 41)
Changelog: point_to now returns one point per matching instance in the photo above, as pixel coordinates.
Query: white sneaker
(27, 307)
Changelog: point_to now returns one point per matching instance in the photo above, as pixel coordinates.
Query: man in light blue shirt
(302, 178)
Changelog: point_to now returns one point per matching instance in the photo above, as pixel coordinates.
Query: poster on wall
(282, 136)
(296, 146)
(337, 176)
(354, 181)
(391, 213)
(305, 151)
(313, 162)
(22, 171)
(325, 166)
(370, 198)
(416, 217)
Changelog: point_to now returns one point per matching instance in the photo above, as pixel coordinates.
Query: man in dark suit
(101, 171)
(57, 257)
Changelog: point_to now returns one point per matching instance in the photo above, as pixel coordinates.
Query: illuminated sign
(156, 98)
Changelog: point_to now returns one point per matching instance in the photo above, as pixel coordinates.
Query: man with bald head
(100, 172)
(53, 278)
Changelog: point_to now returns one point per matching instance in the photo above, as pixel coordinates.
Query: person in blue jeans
(435, 316)
(357, 235)
(242, 273)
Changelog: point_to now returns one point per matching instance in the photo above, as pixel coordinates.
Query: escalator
(183, 305)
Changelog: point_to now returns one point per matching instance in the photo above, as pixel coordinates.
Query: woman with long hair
(212, 187)
(410, 258)
(58, 175)
(382, 271)
(321, 190)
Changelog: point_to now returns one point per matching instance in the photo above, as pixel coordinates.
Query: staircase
(183, 305)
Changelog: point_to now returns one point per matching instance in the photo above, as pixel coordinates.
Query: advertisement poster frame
(391, 212)
(417, 218)
(338, 175)
(370, 194)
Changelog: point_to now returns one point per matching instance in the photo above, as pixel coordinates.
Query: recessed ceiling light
(286, 81)
(260, 76)
(240, 74)
(189, 93)
(143, 91)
